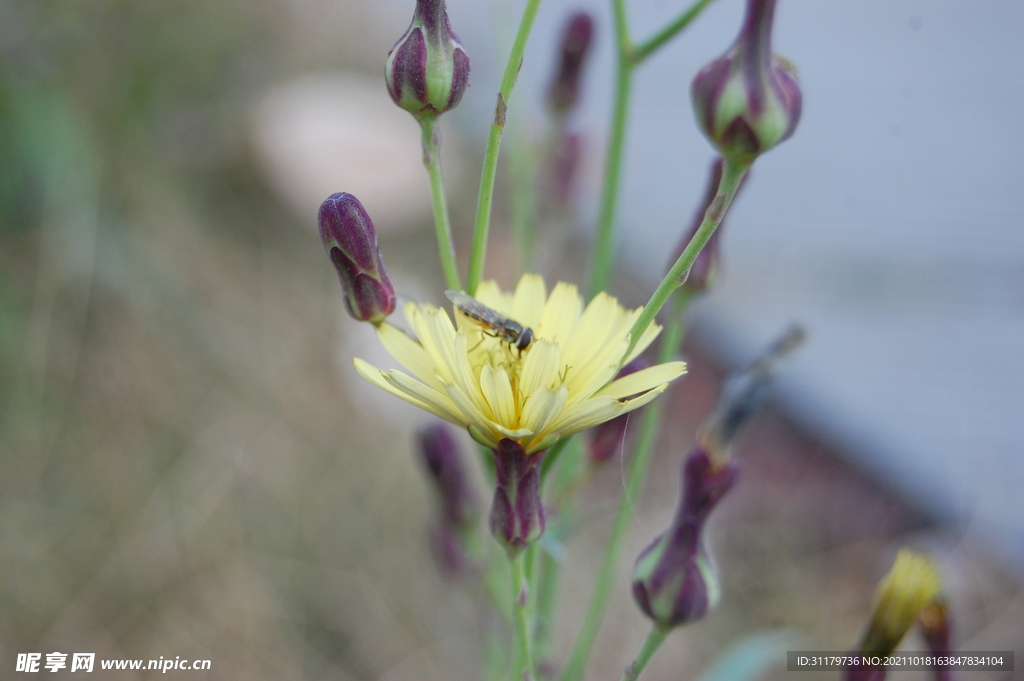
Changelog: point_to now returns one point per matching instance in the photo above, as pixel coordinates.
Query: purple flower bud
(577, 37)
(517, 514)
(747, 100)
(935, 628)
(428, 68)
(606, 438)
(704, 270)
(674, 581)
(351, 242)
(444, 464)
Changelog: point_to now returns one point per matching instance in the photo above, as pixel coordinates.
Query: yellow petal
(642, 381)
(587, 414)
(488, 293)
(409, 353)
(528, 301)
(540, 367)
(561, 313)
(379, 379)
(543, 408)
(497, 390)
(648, 336)
(472, 413)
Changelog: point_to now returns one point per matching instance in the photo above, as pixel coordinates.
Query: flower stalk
(431, 139)
(485, 196)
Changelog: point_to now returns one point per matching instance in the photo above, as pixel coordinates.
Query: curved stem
(442, 223)
(731, 176)
(522, 663)
(671, 340)
(649, 46)
(486, 196)
(604, 248)
(651, 645)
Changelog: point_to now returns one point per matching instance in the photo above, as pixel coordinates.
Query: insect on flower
(501, 326)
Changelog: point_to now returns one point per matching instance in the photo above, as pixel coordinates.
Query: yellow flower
(558, 385)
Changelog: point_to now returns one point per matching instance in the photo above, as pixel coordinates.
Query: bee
(498, 324)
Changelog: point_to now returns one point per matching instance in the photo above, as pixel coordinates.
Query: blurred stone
(323, 134)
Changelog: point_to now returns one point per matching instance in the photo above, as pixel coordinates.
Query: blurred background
(190, 467)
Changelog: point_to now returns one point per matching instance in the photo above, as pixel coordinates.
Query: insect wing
(472, 308)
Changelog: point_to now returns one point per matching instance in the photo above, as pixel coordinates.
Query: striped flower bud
(351, 242)
(517, 514)
(674, 581)
(428, 68)
(577, 37)
(747, 100)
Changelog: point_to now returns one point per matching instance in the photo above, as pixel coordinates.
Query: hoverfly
(501, 326)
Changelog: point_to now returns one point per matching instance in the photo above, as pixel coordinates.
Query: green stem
(649, 46)
(604, 248)
(731, 176)
(548, 582)
(442, 223)
(651, 645)
(642, 453)
(486, 195)
(522, 663)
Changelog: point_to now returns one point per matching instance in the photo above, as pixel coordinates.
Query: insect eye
(524, 340)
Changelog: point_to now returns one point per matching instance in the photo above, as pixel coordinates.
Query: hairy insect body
(510, 331)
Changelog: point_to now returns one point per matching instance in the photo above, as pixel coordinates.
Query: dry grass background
(184, 470)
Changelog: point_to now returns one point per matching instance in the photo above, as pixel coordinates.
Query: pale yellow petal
(497, 390)
(540, 367)
(473, 414)
(437, 402)
(648, 336)
(430, 325)
(561, 312)
(409, 353)
(642, 381)
(600, 324)
(543, 408)
(587, 378)
(514, 433)
(490, 294)
(641, 400)
(586, 415)
(528, 301)
(467, 377)
(377, 378)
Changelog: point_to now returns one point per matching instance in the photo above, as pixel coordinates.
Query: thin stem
(651, 645)
(486, 195)
(442, 223)
(548, 582)
(649, 46)
(604, 248)
(523, 173)
(731, 176)
(522, 662)
(642, 453)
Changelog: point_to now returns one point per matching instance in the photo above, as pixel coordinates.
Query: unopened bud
(747, 100)
(351, 242)
(935, 628)
(517, 514)
(913, 582)
(446, 468)
(428, 68)
(577, 37)
(674, 581)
